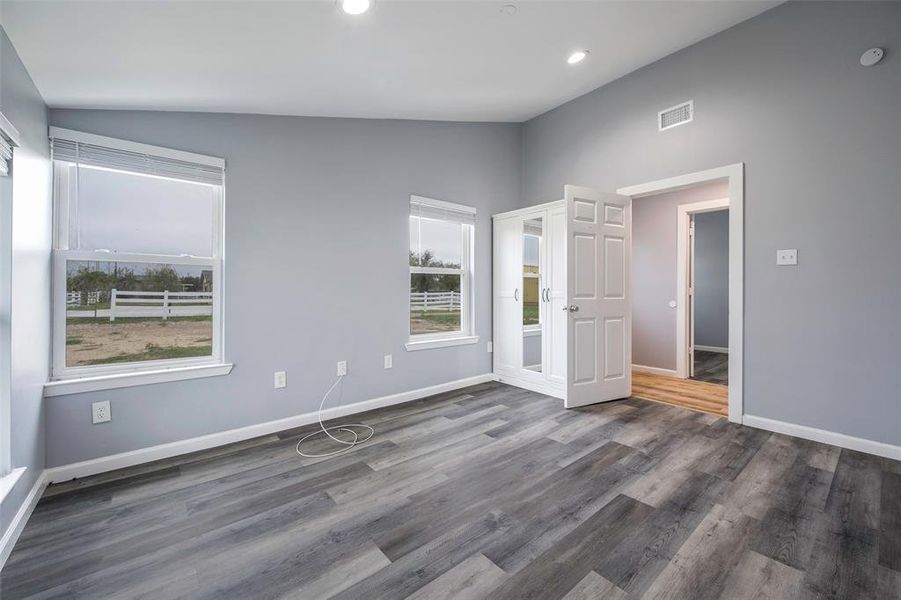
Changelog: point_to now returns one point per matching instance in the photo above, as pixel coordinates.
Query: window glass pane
(434, 303)
(127, 212)
(441, 243)
(130, 312)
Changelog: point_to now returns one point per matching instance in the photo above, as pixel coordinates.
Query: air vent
(675, 115)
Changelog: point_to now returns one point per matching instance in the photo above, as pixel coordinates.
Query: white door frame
(734, 174)
(684, 256)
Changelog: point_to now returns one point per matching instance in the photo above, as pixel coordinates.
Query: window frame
(61, 255)
(8, 475)
(466, 334)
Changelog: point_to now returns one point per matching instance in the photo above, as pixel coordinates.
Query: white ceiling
(466, 61)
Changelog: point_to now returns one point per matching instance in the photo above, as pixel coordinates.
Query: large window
(440, 269)
(137, 260)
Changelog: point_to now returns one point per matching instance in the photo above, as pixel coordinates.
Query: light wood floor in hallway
(488, 492)
(711, 398)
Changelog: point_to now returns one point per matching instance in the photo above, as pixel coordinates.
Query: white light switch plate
(787, 257)
(100, 412)
(280, 380)
(490, 347)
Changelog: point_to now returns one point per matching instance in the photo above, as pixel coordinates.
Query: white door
(555, 297)
(507, 296)
(599, 332)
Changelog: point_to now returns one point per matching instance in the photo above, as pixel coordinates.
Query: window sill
(413, 345)
(121, 380)
(8, 482)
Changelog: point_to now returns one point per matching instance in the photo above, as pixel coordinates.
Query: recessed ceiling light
(355, 7)
(508, 9)
(577, 57)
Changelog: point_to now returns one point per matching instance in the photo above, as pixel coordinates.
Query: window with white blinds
(441, 246)
(137, 259)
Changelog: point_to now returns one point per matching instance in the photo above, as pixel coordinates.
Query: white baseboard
(827, 437)
(655, 371)
(145, 455)
(719, 349)
(11, 535)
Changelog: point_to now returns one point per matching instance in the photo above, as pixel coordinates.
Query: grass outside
(434, 321)
(100, 341)
(529, 313)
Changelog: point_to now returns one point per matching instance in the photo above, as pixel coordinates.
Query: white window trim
(69, 380)
(466, 335)
(7, 475)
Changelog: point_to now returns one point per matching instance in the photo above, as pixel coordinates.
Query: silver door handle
(573, 308)
(544, 294)
(565, 308)
(516, 294)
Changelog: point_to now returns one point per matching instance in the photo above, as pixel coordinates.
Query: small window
(441, 243)
(137, 257)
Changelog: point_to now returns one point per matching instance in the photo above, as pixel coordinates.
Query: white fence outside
(160, 305)
(424, 301)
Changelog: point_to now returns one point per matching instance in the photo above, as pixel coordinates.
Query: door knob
(573, 308)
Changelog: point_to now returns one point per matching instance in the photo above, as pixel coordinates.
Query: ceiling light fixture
(355, 7)
(577, 57)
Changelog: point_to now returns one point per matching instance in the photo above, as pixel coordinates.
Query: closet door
(508, 296)
(555, 321)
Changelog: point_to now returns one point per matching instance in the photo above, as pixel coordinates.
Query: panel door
(599, 330)
(555, 323)
(507, 295)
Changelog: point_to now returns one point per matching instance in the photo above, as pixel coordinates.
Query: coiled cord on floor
(348, 445)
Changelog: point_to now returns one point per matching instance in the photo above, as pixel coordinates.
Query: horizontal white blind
(137, 162)
(442, 211)
(6, 154)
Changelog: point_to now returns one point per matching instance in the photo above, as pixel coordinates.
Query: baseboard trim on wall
(152, 453)
(719, 349)
(827, 437)
(656, 371)
(12, 533)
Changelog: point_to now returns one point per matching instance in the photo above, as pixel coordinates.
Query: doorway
(673, 383)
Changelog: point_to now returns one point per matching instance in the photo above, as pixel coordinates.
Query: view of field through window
(435, 297)
(130, 312)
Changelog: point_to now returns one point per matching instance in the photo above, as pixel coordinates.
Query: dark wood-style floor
(490, 492)
(712, 367)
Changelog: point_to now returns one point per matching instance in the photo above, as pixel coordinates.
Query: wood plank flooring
(697, 395)
(489, 492)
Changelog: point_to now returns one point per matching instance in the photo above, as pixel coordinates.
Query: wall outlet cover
(389, 361)
(490, 347)
(342, 368)
(787, 257)
(280, 380)
(100, 412)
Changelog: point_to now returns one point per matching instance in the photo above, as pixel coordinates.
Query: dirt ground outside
(433, 322)
(99, 341)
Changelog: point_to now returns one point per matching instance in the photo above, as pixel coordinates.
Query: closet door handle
(516, 294)
(547, 294)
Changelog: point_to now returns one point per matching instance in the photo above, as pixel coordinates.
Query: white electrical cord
(346, 427)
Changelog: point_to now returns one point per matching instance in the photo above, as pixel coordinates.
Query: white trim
(529, 209)
(423, 201)
(11, 535)
(683, 257)
(656, 371)
(133, 378)
(735, 175)
(9, 131)
(826, 437)
(129, 146)
(8, 482)
(428, 344)
(718, 349)
(145, 455)
(530, 331)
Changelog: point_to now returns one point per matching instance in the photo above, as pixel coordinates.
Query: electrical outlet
(280, 380)
(787, 257)
(389, 361)
(342, 368)
(100, 412)
(490, 347)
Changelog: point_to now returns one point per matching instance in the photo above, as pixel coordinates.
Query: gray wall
(21, 103)
(712, 279)
(654, 247)
(317, 220)
(820, 138)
